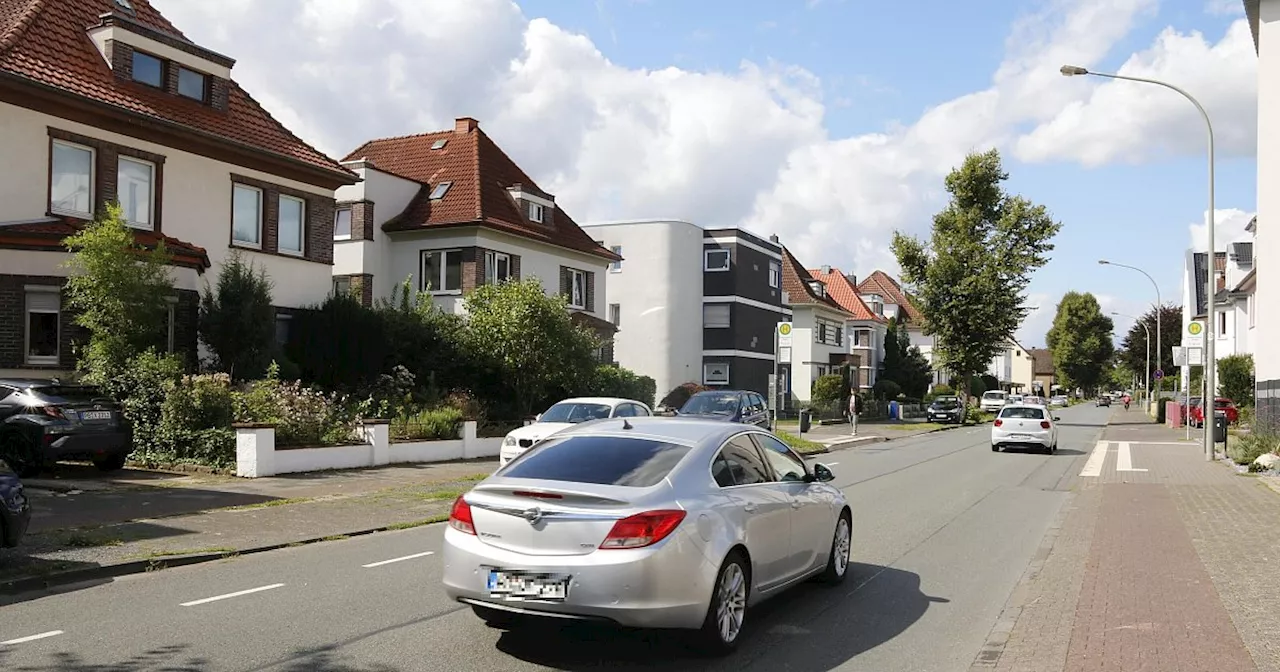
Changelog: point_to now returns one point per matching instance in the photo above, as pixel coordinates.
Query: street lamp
(1210, 361)
(1159, 309)
(1144, 326)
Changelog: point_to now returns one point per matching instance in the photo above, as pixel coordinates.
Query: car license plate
(512, 585)
(95, 415)
(1019, 436)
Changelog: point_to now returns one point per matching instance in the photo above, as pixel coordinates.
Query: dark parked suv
(731, 405)
(43, 421)
(946, 409)
(15, 510)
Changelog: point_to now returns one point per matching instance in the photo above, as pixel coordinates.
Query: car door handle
(749, 508)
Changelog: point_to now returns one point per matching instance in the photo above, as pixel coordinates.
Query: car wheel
(497, 618)
(995, 448)
(21, 454)
(727, 611)
(841, 541)
(110, 463)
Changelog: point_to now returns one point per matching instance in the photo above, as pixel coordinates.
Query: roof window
(439, 144)
(440, 190)
(124, 4)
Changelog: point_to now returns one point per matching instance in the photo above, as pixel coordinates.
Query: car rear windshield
(70, 393)
(603, 460)
(993, 395)
(1023, 413)
(946, 403)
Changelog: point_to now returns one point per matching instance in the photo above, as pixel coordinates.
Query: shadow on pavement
(52, 510)
(812, 628)
(175, 659)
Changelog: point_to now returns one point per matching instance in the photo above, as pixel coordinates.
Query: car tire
(841, 544)
(995, 448)
(110, 463)
(21, 455)
(728, 602)
(497, 618)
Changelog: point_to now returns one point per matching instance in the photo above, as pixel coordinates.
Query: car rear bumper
(665, 586)
(1041, 438)
(87, 445)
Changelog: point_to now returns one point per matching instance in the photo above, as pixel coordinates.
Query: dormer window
(124, 4)
(148, 69)
(818, 288)
(192, 84)
(536, 212)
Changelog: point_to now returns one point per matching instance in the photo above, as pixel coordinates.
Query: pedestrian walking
(855, 409)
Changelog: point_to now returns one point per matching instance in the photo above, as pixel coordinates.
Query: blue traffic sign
(1158, 374)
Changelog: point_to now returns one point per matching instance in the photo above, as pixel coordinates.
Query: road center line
(1097, 459)
(1124, 460)
(407, 557)
(31, 638)
(238, 593)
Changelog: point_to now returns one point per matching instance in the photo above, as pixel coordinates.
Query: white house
(105, 100)
(819, 324)
(886, 298)
(1014, 367)
(865, 329)
(450, 211)
(1264, 19)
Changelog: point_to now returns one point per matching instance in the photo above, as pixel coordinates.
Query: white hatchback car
(567, 414)
(1025, 425)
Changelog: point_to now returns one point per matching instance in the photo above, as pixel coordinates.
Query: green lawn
(802, 446)
(923, 426)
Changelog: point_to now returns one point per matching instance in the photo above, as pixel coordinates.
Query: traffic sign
(784, 334)
(1159, 374)
(1193, 335)
(1179, 356)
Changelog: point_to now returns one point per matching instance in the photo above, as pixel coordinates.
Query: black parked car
(15, 511)
(946, 409)
(731, 405)
(43, 421)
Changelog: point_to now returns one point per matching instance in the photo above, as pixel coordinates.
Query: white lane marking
(1166, 443)
(238, 593)
(1097, 459)
(1124, 461)
(407, 557)
(31, 638)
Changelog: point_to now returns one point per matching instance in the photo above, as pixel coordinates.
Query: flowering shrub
(429, 425)
(303, 416)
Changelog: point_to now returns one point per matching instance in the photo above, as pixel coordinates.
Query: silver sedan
(646, 522)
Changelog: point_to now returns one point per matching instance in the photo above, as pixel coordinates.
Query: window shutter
(566, 284)
(44, 302)
(591, 292)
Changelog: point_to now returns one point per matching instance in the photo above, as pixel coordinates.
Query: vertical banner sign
(781, 339)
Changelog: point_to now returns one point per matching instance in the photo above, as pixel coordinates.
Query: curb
(109, 571)
(846, 445)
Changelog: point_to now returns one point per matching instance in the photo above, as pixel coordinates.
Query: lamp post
(1210, 361)
(1159, 331)
(1144, 326)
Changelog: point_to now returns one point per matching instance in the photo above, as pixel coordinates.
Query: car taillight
(460, 517)
(53, 412)
(999, 422)
(643, 529)
(1044, 424)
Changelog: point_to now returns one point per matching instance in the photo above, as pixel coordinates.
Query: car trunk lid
(81, 405)
(548, 517)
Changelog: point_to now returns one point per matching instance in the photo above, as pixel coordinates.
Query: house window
(715, 373)
(615, 314)
(441, 271)
(716, 315)
(775, 274)
(497, 267)
(536, 213)
(71, 180)
(191, 84)
(291, 225)
(577, 289)
(715, 260)
(1222, 324)
(148, 69)
(617, 265)
(43, 305)
(341, 286)
(342, 224)
(862, 338)
(246, 216)
(440, 190)
(282, 328)
(134, 190)
(171, 336)
(827, 332)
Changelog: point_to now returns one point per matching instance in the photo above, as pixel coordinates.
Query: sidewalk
(1161, 561)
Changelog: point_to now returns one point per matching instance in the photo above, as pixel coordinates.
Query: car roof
(608, 401)
(23, 383)
(682, 430)
(1008, 406)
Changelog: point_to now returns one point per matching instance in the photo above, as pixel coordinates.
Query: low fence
(257, 455)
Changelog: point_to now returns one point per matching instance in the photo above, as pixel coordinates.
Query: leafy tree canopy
(1081, 341)
(1235, 378)
(1133, 349)
(903, 363)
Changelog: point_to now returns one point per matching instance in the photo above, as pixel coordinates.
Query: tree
(1133, 349)
(118, 292)
(903, 363)
(529, 337)
(1235, 378)
(969, 279)
(237, 321)
(615, 381)
(1081, 341)
(339, 345)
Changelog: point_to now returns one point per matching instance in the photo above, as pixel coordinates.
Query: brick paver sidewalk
(1161, 561)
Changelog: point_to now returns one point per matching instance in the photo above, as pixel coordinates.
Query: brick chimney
(465, 125)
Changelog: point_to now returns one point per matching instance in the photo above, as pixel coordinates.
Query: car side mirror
(537, 418)
(822, 473)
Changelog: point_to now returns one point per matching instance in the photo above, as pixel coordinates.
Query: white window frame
(615, 314)
(577, 278)
(350, 222)
(302, 226)
(706, 259)
(616, 266)
(775, 274)
(491, 258)
(706, 380)
(438, 192)
(27, 312)
(245, 243)
(438, 282)
(537, 213)
(93, 174)
(151, 192)
(708, 323)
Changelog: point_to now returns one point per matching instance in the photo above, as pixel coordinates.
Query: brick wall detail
(317, 227)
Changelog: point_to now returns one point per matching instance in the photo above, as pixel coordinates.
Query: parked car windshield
(575, 412)
(946, 403)
(993, 395)
(711, 403)
(603, 460)
(1221, 403)
(1022, 413)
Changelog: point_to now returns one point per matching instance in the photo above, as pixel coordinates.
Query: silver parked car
(646, 522)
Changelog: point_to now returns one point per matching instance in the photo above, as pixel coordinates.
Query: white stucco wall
(196, 202)
(806, 353)
(1267, 241)
(390, 194)
(659, 291)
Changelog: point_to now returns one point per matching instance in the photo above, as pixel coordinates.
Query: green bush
(1235, 378)
(975, 415)
(339, 345)
(302, 416)
(615, 381)
(943, 390)
(428, 425)
(886, 389)
(828, 389)
(1246, 449)
(141, 387)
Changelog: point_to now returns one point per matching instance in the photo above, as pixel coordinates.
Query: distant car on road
(1059, 401)
(1025, 425)
(993, 400)
(1227, 406)
(746, 407)
(946, 409)
(646, 522)
(15, 510)
(43, 421)
(1104, 400)
(564, 414)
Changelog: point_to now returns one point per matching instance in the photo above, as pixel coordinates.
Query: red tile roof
(481, 174)
(795, 282)
(845, 294)
(49, 235)
(883, 284)
(45, 42)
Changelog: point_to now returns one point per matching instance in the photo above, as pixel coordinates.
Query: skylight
(440, 190)
(125, 4)
(439, 144)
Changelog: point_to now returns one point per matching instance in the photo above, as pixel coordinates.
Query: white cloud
(742, 147)
(1224, 7)
(1038, 321)
(1228, 227)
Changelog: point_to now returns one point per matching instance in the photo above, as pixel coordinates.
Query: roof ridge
(408, 136)
(25, 18)
(478, 173)
(857, 296)
(334, 163)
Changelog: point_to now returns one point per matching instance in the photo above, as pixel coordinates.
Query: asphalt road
(943, 530)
